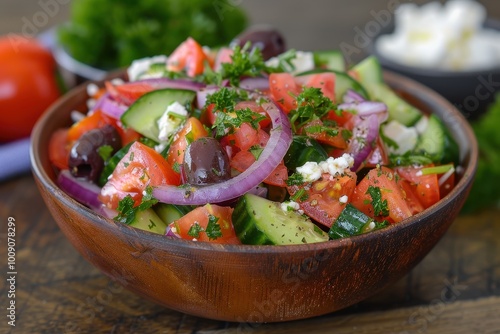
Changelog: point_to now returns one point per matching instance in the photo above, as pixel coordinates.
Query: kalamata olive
(205, 162)
(270, 41)
(86, 156)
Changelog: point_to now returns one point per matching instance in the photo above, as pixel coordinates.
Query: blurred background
(311, 25)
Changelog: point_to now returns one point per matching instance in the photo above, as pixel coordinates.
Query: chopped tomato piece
(188, 56)
(324, 81)
(129, 92)
(141, 167)
(410, 197)
(246, 136)
(283, 90)
(332, 136)
(341, 119)
(98, 120)
(223, 56)
(256, 108)
(59, 148)
(192, 130)
(244, 159)
(426, 187)
(447, 186)
(391, 193)
(278, 176)
(210, 223)
(92, 121)
(324, 200)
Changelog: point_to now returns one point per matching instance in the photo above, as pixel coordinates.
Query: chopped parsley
(127, 211)
(380, 207)
(227, 117)
(213, 228)
(301, 195)
(195, 230)
(311, 105)
(295, 179)
(246, 61)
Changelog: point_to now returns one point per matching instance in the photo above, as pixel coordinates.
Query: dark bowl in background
(471, 92)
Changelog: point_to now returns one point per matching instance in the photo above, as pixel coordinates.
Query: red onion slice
(110, 107)
(202, 94)
(367, 108)
(82, 191)
(271, 156)
(159, 83)
(170, 233)
(353, 97)
(259, 83)
(364, 135)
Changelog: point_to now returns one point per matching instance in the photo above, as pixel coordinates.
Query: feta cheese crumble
(311, 171)
(290, 206)
(303, 61)
(405, 137)
(343, 199)
(140, 67)
(171, 120)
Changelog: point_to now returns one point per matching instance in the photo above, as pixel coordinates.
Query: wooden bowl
(245, 283)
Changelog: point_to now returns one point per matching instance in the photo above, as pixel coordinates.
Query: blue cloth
(14, 158)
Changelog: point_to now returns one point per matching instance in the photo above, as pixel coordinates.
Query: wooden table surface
(455, 289)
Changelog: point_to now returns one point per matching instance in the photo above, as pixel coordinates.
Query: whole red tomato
(27, 85)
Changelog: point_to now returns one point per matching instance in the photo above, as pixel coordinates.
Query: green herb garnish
(311, 105)
(195, 230)
(213, 228)
(380, 207)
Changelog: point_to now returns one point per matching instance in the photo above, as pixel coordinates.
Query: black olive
(85, 160)
(270, 41)
(205, 162)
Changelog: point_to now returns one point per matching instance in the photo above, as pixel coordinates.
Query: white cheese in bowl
(446, 37)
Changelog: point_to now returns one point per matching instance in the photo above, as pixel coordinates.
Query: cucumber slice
(369, 74)
(368, 71)
(343, 82)
(148, 220)
(352, 222)
(399, 109)
(170, 212)
(258, 221)
(436, 143)
(304, 149)
(331, 59)
(143, 115)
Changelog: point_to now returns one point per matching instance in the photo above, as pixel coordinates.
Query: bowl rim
(106, 223)
(426, 71)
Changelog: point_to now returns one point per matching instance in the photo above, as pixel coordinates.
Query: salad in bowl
(241, 146)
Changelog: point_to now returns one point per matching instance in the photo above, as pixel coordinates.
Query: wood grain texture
(59, 292)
